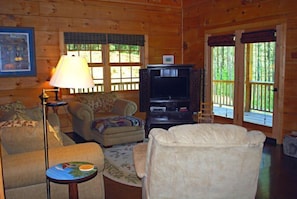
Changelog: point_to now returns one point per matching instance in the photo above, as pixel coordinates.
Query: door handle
(274, 89)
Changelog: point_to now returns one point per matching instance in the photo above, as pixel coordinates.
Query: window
(114, 59)
(124, 65)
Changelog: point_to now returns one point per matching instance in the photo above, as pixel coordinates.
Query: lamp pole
(43, 97)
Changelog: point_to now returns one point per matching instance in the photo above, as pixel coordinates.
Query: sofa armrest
(25, 169)
(139, 157)
(80, 111)
(124, 107)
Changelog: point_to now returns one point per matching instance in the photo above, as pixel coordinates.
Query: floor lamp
(71, 72)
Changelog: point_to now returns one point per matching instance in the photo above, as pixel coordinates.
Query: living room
(171, 27)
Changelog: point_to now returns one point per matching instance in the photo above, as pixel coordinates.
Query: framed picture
(17, 52)
(168, 59)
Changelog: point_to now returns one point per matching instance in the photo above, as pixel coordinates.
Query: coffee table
(71, 173)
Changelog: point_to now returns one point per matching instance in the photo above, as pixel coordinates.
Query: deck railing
(258, 95)
(114, 87)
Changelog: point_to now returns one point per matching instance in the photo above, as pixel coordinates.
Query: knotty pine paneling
(226, 16)
(159, 20)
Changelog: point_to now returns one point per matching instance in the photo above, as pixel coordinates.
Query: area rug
(119, 164)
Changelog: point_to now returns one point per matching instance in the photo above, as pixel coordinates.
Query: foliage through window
(125, 64)
(114, 60)
(223, 75)
(261, 64)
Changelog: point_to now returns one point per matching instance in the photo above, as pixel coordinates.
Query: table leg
(73, 192)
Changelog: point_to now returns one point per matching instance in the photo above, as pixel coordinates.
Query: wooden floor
(277, 177)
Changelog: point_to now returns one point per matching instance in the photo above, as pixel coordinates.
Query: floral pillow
(17, 123)
(6, 110)
(16, 106)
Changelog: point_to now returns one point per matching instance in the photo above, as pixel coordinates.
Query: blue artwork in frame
(17, 52)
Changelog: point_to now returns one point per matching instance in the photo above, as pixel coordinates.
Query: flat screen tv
(169, 88)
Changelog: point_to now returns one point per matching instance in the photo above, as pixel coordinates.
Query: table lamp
(71, 72)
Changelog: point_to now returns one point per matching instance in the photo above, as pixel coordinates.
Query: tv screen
(169, 87)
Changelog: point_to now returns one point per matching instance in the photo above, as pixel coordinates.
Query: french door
(243, 76)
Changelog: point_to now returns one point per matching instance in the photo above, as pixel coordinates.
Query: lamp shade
(72, 72)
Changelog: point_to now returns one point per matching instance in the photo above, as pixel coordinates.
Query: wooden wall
(204, 15)
(159, 20)
(161, 24)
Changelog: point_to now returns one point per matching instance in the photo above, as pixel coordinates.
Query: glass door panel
(222, 63)
(259, 82)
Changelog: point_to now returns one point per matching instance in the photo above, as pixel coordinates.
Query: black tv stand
(164, 110)
(164, 114)
(169, 117)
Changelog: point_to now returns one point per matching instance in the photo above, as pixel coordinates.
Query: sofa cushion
(99, 102)
(26, 138)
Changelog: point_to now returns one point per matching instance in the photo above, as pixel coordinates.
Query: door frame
(277, 124)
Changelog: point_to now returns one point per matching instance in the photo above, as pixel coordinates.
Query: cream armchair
(200, 161)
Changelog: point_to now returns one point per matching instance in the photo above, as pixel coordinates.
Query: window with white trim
(114, 59)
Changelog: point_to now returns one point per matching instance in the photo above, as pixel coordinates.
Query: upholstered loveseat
(86, 108)
(21, 132)
(214, 161)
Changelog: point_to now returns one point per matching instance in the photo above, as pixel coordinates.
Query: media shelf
(169, 94)
(170, 117)
(169, 100)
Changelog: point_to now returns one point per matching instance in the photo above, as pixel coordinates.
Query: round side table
(71, 173)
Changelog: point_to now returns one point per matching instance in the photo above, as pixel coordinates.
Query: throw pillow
(28, 138)
(17, 123)
(34, 113)
(99, 102)
(14, 115)
(16, 106)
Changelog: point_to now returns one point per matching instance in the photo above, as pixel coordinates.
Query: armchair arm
(139, 157)
(124, 107)
(25, 169)
(80, 111)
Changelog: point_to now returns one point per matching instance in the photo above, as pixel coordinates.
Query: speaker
(196, 89)
(144, 90)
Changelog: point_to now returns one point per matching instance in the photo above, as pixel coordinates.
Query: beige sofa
(214, 161)
(88, 107)
(23, 155)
